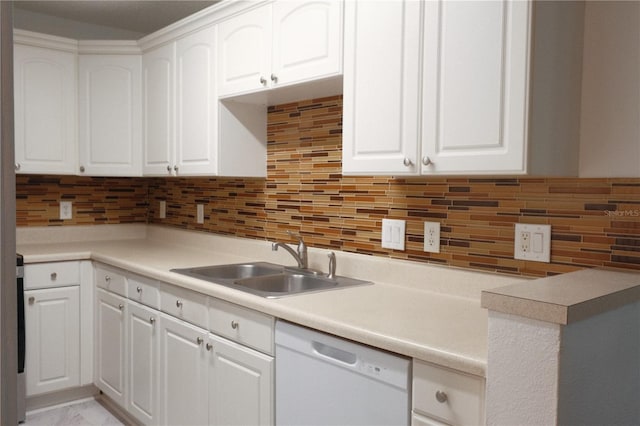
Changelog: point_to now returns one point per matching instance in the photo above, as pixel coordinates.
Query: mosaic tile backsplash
(595, 222)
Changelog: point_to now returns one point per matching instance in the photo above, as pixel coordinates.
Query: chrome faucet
(300, 256)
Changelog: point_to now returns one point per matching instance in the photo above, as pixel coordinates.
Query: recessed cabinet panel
(45, 110)
(111, 343)
(381, 87)
(52, 326)
(158, 104)
(475, 86)
(110, 139)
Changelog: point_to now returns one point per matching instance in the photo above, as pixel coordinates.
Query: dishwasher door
(325, 380)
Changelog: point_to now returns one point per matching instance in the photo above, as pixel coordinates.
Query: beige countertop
(566, 298)
(421, 311)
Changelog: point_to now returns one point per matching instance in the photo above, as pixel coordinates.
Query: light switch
(393, 231)
(200, 213)
(532, 242)
(163, 209)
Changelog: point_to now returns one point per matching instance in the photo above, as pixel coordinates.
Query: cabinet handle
(178, 303)
(209, 346)
(54, 276)
(107, 278)
(32, 300)
(263, 81)
(274, 78)
(441, 396)
(407, 162)
(175, 168)
(235, 325)
(199, 340)
(121, 306)
(81, 169)
(139, 289)
(18, 166)
(152, 320)
(169, 169)
(426, 161)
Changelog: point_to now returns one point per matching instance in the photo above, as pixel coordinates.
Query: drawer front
(111, 280)
(184, 304)
(54, 274)
(144, 291)
(447, 395)
(243, 325)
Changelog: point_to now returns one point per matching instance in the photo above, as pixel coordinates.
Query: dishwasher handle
(334, 353)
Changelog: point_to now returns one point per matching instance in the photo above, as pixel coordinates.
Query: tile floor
(84, 413)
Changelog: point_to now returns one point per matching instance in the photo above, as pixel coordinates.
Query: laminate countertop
(418, 310)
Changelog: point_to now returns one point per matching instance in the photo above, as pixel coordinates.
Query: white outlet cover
(432, 237)
(393, 231)
(538, 246)
(66, 210)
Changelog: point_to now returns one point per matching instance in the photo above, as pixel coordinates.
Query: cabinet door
(381, 87)
(45, 110)
(158, 77)
(183, 373)
(240, 385)
(143, 346)
(110, 115)
(52, 321)
(475, 86)
(111, 344)
(244, 49)
(307, 40)
(196, 107)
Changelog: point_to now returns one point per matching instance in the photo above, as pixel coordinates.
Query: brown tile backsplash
(595, 222)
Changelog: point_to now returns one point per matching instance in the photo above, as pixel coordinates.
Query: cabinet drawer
(144, 291)
(111, 280)
(48, 275)
(242, 325)
(447, 395)
(184, 304)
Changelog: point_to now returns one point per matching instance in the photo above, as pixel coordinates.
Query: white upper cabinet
(45, 108)
(381, 102)
(481, 101)
(110, 115)
(158, 76)
(279, 44)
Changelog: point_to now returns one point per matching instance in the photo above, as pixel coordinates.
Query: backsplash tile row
(595, 222)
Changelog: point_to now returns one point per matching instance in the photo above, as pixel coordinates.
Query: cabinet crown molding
(108, 47)
(46, 41)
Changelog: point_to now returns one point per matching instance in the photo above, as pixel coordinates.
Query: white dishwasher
(325, 380)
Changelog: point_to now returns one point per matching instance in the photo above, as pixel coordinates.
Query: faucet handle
(332, 266)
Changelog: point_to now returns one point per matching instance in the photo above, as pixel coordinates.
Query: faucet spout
(292, 252)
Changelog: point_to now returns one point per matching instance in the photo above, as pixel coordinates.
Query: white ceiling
(134, 17)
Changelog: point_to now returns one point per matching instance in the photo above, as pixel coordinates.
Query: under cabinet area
(158, 355)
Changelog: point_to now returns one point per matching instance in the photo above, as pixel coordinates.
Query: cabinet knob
(235, 325)
(107, 278)
(441, 396)
(274, 78)
(407, 162)
(263, 81)
(169, 169)
(32, 300)
(54, 276)
(199, 340)
(18, 166)
(209, 346)
(178, 303)
(175, 168)
(121, 306)
(139, 289)
(152, 320)
(426, 161)
(81, 169)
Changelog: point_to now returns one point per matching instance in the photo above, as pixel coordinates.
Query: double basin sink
(268, 279)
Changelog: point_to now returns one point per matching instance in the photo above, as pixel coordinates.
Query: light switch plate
(163, 209)
(432, 237)
(200, 213)
(532, 242)
(66, 210)
(393, 234)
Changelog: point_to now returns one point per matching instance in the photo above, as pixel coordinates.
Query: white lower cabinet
(111, 341)
(240, 384)
(52, 320)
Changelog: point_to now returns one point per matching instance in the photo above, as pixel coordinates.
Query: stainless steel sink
(268, 279)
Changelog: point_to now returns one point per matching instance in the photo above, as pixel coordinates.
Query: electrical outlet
(200, 213)
(393, 233)
(163, 209)
(66, 210)
(532, 242)
(432, 237)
